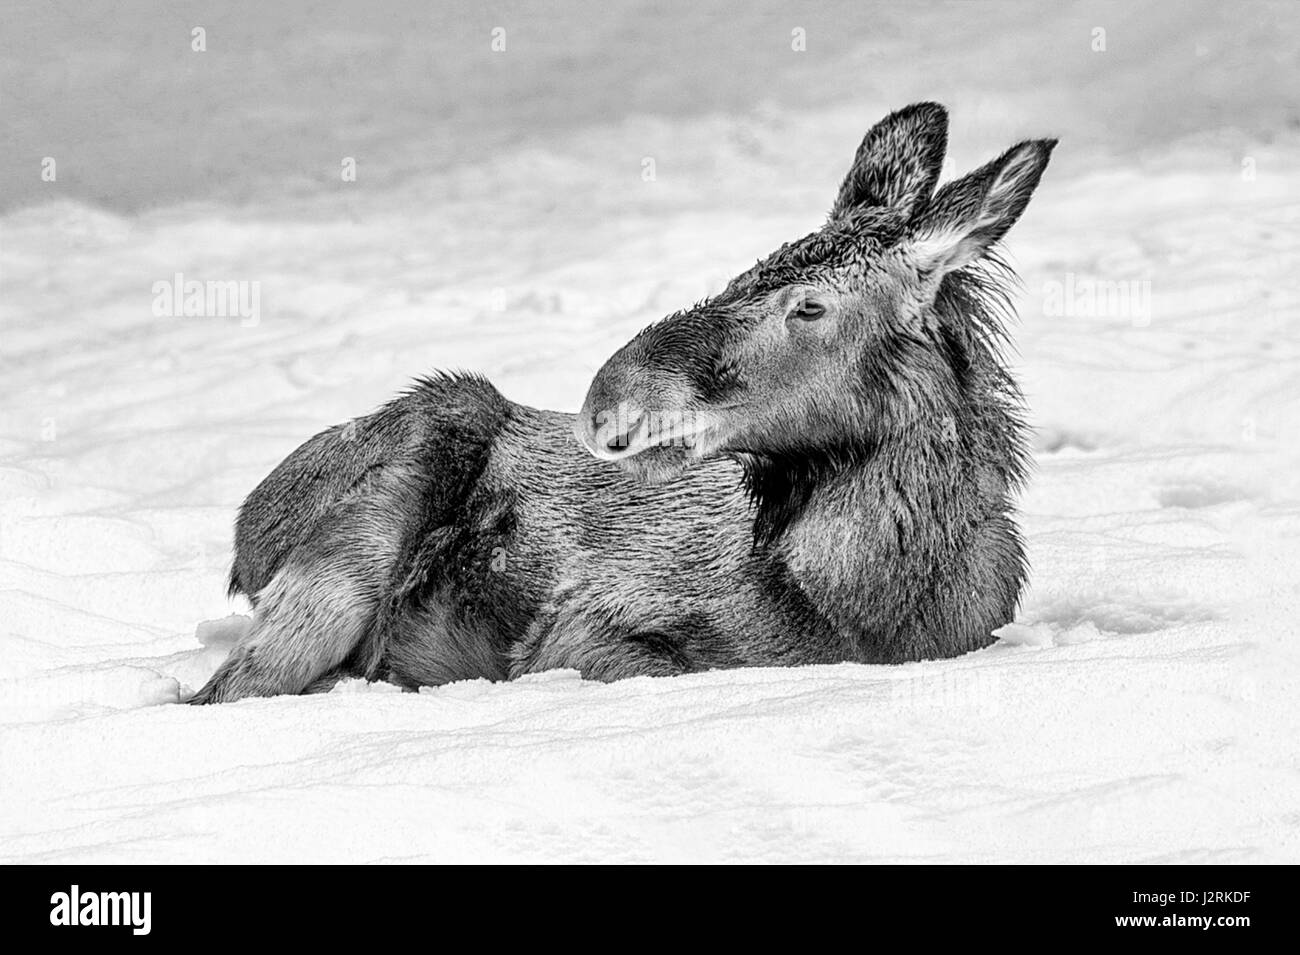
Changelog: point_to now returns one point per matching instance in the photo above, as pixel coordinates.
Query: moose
(815, 465)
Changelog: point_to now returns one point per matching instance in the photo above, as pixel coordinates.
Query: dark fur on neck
(782, 484)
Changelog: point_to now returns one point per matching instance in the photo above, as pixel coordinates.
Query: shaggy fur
(817, 465)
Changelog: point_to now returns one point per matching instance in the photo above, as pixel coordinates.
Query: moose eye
(808, 310)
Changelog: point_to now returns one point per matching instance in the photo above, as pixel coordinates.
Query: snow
(1143, 707)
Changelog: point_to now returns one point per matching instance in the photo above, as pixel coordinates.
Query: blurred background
(415, 88)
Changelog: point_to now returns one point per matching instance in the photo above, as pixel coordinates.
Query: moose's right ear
(897, 166)
(968, 215)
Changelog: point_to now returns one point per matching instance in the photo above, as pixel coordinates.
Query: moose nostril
(622, 441)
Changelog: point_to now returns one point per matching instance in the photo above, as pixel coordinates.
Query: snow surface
(1142, 708)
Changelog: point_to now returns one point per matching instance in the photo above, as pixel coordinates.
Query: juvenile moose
(816, 465)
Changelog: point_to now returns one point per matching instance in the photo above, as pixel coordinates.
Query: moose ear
(968, 215)
(898, 163)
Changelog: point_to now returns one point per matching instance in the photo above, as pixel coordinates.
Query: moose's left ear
(969, 214)
(897, 165)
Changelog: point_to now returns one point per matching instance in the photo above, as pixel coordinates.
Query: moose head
(861, 331)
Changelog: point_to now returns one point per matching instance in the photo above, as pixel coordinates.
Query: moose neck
(889, 537)
(908, 480)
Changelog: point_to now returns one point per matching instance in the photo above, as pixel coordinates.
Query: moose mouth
(652, 446)
(657, 464)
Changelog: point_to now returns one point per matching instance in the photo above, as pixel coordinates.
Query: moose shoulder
(816, 465)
